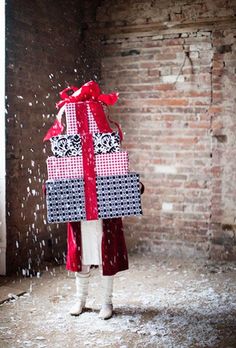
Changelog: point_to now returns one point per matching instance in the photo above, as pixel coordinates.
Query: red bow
(89, 91)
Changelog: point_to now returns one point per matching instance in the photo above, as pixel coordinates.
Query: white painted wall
(2, 143)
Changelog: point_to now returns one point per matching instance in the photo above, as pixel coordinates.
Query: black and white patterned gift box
(70, 145)
(65, 200)
(117, 196)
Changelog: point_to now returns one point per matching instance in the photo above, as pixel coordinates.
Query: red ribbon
(89, 91)
(90, 192)
(118, 127)
(88, 156)
(57, 128)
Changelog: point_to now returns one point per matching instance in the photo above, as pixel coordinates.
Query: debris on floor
(157, 303)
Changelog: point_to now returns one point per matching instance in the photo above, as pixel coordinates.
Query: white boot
(107, 307)
(82, 282)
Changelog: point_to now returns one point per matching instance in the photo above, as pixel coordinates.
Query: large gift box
(72, 167)
(61, 196)
(117, 196)
(65, 145)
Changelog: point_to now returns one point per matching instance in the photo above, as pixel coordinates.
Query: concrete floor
(158, 303)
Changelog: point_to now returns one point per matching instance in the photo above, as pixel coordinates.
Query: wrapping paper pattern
(112, 164)
(106, 142)
(65, 200)
(117, 196)
(70, 145)
(71, 120)
(72, 167)
(66, 145)
(64, 167)
(93, 128)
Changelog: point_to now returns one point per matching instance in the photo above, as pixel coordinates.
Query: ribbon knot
(89, 91)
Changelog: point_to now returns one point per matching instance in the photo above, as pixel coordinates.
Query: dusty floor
(158, 303)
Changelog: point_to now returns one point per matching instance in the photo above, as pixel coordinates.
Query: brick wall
(223, 222)
(45, 53)
(174, 66)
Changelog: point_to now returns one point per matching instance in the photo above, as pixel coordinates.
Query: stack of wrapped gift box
(88, 176)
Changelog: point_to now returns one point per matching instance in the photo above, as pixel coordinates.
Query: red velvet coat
(114, 252)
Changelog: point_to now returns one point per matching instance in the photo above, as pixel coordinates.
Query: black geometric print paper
(65, 200)
(70, 145)
(117, 196)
